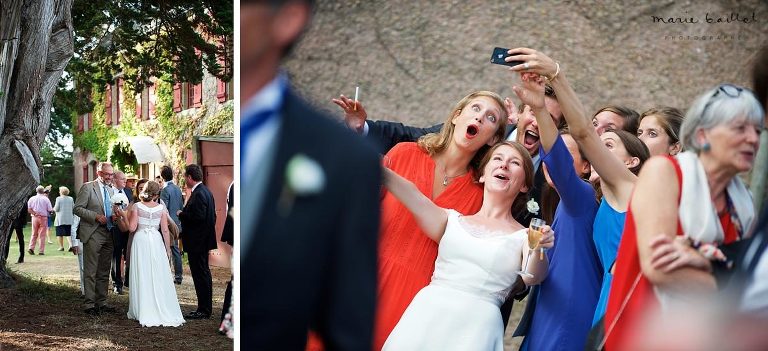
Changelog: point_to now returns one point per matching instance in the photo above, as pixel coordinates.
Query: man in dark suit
(228, 236)
(119, 239)
(198, 218)
(171, 197)
(309, 222)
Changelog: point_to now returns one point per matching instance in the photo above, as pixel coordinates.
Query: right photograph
(502, 176)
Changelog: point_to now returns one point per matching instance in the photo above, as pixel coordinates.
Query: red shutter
(108, 104)
(221, 86)
(177, 97)
(197, 97)
(120, 99)
(221, 90)
(151, 101)
(85, 174)
(80, 123)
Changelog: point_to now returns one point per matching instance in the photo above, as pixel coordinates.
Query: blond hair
(435, 143)
(151, 189)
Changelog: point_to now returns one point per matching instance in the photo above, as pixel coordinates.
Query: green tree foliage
(163, 38)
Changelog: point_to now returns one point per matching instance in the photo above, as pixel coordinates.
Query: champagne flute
(535, 234)
(534, 237)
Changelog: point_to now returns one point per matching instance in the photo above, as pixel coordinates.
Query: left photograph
(116, 174)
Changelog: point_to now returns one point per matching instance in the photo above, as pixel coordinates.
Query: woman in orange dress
(443, 166)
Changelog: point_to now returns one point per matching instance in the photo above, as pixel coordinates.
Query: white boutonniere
(532, 206)
(303, 177)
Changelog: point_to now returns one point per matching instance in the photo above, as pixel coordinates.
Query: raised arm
(531, 93)
(385, 133)
(431, 218)
(618, 180)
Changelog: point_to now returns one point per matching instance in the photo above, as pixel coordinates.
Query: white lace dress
(152, 297)
(459, 309)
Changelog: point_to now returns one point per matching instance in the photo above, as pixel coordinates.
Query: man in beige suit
(95, 212)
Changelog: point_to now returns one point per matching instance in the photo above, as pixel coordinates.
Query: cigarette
(357, 91)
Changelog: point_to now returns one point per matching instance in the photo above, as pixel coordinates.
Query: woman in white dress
(152, 299)
(478, 257)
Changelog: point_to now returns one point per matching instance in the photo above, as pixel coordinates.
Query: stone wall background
(414, 60)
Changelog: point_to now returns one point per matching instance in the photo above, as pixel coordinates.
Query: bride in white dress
(152, 298)
(478, 257)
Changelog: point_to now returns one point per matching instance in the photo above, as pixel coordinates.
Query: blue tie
(107, 209)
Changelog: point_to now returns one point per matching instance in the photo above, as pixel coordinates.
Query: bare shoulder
(658, 167)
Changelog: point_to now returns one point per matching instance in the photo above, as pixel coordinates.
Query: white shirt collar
(195, 187)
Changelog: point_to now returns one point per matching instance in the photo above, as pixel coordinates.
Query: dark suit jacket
(198, 218)
(228, 233)
(749, 257)
(171, 197)
(315, 265)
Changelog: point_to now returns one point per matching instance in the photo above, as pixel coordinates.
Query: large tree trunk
(36, 44)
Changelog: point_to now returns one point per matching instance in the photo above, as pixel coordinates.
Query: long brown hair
(435, 143)
(630, 116)
(522, 197)
(634, 146)
(669, 118)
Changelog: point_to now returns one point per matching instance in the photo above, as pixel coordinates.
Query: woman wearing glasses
(687, 214)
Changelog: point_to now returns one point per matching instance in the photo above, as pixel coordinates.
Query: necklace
(447, 178)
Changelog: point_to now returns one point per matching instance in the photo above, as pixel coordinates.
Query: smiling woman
(478, 262)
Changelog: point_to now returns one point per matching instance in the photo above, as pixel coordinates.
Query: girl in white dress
(152, 298)
(478, 257)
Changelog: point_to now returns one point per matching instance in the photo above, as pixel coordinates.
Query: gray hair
(101, 165)
(715, 108)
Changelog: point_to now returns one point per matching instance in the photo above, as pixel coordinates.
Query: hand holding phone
(498, 56)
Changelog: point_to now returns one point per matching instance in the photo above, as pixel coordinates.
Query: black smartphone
(498, 56)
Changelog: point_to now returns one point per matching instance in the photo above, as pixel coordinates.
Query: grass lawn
(44, 310)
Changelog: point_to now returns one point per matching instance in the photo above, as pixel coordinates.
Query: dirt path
(44, 312)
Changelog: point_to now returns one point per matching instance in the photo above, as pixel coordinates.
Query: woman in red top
(696, 196)
(444, 167)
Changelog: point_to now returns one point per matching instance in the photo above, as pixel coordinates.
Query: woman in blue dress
(559, 313)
